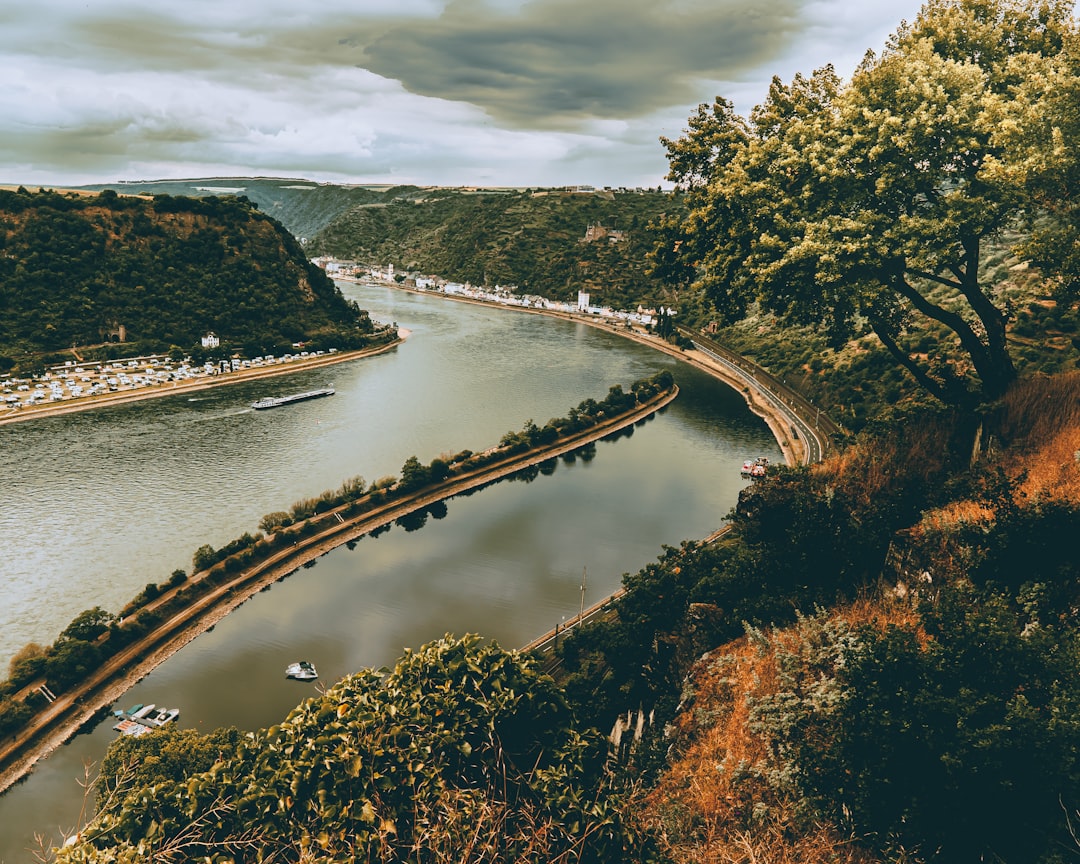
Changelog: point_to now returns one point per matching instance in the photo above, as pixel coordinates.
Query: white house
(210, 341)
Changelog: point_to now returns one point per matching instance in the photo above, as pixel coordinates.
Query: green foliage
(169, 271)
(801, 539)
(870, 205)
(71, 661)
(961, 745)
(204, 557)
(414, 475)
(170, 754)
(26, 665)
(87, 626)
(458, 741)
(532, 241)
(13, 714)
(271, 522)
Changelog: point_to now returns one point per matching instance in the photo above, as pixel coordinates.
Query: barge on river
(278, 401)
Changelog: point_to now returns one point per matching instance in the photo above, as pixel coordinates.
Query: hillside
(879, 665)
(80, 271)
(302, 206)
(539, 241)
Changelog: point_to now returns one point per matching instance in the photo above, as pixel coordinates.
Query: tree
(1042, 149)
(871, 204)
(461, 752)
(87, 626)
(414, 474)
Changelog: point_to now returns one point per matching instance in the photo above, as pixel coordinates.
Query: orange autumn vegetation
(715, 804)
(1034, 438)
(712, 805)
(1040, 425)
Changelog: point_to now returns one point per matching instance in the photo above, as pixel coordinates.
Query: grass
(718, 801)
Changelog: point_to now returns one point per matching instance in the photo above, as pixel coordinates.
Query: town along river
(98, 504)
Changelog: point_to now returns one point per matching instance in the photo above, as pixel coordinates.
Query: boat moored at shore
(140, 719)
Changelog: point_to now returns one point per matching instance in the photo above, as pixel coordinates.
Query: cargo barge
(278, 401)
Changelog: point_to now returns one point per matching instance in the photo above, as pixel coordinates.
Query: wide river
(98, 504)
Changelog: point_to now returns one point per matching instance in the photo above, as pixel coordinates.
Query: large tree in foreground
(871, 203)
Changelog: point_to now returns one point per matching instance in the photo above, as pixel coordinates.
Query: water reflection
(506, 562)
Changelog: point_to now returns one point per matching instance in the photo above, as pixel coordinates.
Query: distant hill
(553, 242)
(81, 270)
(302, 206)
(547, 242)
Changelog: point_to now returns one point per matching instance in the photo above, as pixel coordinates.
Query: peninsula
(194, 605)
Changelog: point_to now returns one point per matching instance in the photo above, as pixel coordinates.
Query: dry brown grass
(712, 805)
(1035, 440)
(1040, 421)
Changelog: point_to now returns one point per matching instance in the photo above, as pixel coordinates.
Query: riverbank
(104, 400)
(746, 378)
(57, 722)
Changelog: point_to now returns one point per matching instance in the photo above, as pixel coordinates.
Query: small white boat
(301, 671)
(160, 716)
(755, 467)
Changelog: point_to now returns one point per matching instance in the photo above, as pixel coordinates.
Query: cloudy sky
(442, 92)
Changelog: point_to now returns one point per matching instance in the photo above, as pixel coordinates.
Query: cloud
(536, 92)
(556, 63)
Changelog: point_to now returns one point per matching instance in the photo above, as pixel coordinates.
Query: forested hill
(535, 239)
(539, 241)
(81, 270)
(302, 206)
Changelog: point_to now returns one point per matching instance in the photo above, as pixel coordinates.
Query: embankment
(60, 719)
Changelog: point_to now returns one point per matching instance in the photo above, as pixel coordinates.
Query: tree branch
(932, 385)
(972, 344)
(955, 284)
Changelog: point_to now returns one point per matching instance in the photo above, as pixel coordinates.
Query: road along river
(103, 502)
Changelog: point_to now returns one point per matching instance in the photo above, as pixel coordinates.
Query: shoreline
(138, 394)
(795, 451)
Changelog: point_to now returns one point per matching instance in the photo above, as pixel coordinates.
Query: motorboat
(301, 671)
(160, 716)
(755, 467)
(140, 719)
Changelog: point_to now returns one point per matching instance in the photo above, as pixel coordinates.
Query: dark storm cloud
(506, 92)
(541, 64)
(554, 62)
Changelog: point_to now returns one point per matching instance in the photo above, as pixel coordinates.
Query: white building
(210, 341)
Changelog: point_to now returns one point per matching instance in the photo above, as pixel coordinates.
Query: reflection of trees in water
(625, 432)
(413, 521)
(526, 475)
(438, 510)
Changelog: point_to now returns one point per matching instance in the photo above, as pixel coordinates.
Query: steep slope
(552, 243)
(302, 206)
(79, 270)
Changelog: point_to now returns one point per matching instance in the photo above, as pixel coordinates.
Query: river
(100, 503)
